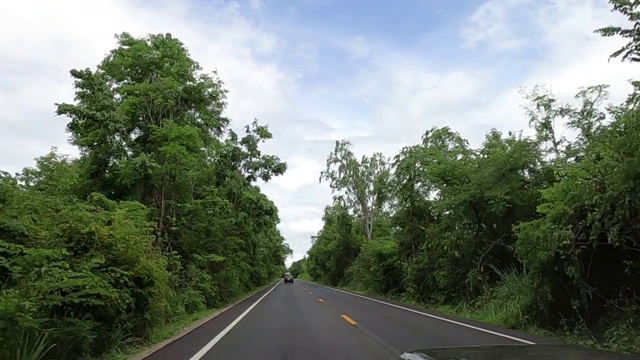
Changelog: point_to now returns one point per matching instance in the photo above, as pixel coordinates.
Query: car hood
(513, 352)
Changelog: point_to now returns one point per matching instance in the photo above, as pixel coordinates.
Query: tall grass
(30, 346)
(507, 302)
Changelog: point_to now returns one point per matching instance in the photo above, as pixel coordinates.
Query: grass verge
(175, 328)
(304, 276)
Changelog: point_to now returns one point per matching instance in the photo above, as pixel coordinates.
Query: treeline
(160, 217)
(540, 231)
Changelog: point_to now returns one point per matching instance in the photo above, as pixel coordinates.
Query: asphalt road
(308, 321)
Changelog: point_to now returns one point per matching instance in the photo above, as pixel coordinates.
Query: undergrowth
(305, 276)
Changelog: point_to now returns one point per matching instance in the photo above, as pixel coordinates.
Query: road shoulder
(190, 330)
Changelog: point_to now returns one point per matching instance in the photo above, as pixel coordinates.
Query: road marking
(224, 332)
(310, 293)
(320, 300)
(349, 320)
(434, 316)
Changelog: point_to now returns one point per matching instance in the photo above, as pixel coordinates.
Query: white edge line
(434, 316)
(224, 332)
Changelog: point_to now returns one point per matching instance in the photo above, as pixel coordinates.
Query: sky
(378, 73)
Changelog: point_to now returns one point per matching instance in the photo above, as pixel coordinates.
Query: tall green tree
(336, 246)
(142, 119)
(360, 184)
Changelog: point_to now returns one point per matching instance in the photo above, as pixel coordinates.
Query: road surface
(309, 321)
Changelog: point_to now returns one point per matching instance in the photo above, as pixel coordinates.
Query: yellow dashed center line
(320, 300)
(349, 320)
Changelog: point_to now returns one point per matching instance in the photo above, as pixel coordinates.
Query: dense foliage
(159, 217)
(539, 230)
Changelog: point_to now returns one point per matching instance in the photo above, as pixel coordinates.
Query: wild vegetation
(525, 231)
(160, 217)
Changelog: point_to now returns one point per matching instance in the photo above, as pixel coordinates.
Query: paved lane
(292, 324)
(308, 321)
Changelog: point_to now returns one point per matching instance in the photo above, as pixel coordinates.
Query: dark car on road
(288, 278)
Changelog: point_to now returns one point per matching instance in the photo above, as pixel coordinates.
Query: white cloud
(566, 54)
(358, 48)
(305, 225)
(572, 57)
(494, 22)
(298, 173)
(256, 5)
